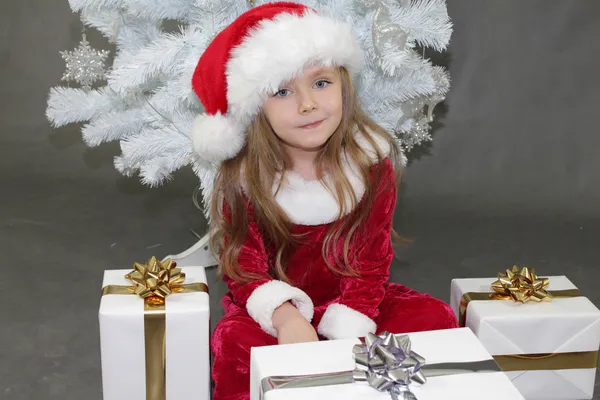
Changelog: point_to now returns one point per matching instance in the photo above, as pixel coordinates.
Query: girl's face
(306, 111)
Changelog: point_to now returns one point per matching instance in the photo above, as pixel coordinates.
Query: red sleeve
(262, 296)
(354, 313)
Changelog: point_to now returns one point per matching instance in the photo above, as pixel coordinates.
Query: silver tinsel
(84, 64)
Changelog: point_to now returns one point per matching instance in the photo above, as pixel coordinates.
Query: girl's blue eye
(320, 84)
(282, 92)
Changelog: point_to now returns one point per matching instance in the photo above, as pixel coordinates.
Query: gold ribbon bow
(153, 282)
(521, 285)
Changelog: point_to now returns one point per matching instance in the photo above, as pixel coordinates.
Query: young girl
(304, 192)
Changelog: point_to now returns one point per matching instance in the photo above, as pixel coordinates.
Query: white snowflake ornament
(84, 64)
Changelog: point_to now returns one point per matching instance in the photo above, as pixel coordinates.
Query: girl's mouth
(312, 125)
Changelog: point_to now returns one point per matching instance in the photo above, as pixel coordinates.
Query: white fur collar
(308, 202)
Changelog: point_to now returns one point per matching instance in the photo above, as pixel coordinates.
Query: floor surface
(57, 252)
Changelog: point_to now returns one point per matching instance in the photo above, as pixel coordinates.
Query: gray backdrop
(512, 177)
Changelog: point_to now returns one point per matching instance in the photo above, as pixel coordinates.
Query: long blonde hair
(262, 159)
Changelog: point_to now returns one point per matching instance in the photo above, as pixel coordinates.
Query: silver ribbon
(387, 363)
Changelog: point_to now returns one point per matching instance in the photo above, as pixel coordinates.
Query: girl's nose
(307, 104)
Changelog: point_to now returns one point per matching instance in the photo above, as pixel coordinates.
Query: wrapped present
(449, 364)
(154, 333)
(541, 331)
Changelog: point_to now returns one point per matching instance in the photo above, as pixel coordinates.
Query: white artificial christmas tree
(147, 102)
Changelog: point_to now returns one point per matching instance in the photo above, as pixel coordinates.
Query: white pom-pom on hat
(216, 137)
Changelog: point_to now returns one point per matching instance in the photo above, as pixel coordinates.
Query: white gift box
(452, 345)
(122, 343)
(564, 325)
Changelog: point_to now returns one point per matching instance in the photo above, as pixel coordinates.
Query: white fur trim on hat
(278, 50)
(216, 137)
(267, 297)
(342, 322)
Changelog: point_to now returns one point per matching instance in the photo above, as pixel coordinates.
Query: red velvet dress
(338, 307)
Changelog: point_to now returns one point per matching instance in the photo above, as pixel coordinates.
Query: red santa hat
(249, 59)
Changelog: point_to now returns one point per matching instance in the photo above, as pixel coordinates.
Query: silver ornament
(387, 37)
(411, 109)
(432, 102)
(84, 64)
(442, 83)
(417, 134)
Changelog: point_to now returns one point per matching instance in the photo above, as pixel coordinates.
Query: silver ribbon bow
(387, 363)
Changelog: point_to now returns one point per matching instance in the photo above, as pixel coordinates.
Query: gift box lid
(176, 303)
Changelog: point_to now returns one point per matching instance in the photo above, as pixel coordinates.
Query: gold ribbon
(550, 361)
(153, 282)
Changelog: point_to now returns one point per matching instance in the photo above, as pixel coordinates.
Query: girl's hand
(291, 326)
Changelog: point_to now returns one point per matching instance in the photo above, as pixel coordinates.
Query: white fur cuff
(342, 322)
(267, 297)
